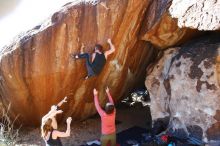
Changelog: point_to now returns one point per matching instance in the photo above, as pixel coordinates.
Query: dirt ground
(89, 130)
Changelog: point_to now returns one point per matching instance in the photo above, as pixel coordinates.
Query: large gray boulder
(185, 84)
(197, 14)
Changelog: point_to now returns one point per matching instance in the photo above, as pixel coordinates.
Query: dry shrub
(8, 131)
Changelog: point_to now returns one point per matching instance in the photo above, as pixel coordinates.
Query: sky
(22, 15)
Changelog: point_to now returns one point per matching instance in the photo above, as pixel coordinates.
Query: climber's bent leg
(90, 72)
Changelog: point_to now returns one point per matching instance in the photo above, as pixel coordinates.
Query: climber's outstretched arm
(62, 101)
(96, 101)
(109, 95)
(51, 114)
(112, 49)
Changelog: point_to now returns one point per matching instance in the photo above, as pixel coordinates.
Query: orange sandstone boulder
(37, 71)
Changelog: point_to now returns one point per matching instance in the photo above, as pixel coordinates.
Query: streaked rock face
(185, 84)
(197, 14)
(37, 71)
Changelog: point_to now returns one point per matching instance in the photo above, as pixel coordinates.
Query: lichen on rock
(187, 85)
(197, 14)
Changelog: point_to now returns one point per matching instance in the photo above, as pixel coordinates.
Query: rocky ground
(88, 130)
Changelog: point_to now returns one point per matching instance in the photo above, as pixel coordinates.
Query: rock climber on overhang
(98, 60)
